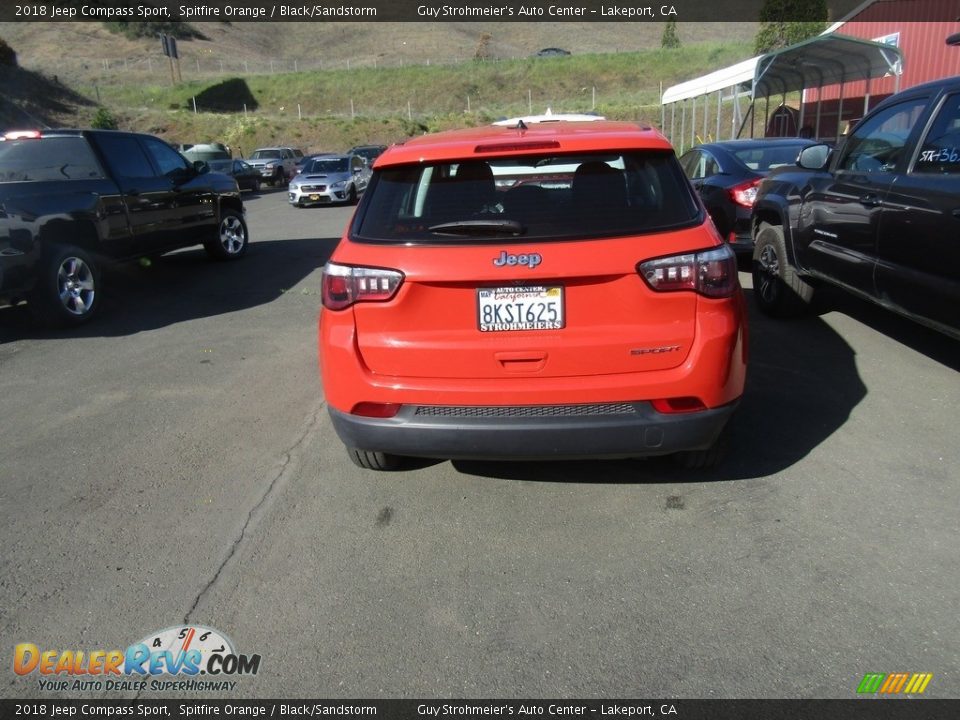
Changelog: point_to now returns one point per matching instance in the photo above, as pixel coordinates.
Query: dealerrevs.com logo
(168, 660)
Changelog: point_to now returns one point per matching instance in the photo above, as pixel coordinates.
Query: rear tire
(708, 458)
(231, 239)
(777, 288)
(67, 292)
(373, 460)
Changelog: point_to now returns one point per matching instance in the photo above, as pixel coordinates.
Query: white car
(330, 179)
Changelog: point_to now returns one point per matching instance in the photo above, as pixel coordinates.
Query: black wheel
(231, 240)
(779, 291)
(256, 185)
(67, 292)
(708, 458)
(352, 195)
(280, 178)
(373, 460)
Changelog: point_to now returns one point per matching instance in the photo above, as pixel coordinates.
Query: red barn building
(828, 70)
(919, 28)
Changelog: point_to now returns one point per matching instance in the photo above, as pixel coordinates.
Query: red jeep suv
(532, 290)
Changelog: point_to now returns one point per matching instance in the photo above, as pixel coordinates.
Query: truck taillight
(745, 194)
(344, 285)
(21, 135)
(712, 273)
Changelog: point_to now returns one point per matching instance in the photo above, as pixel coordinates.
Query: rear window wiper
(478, 228)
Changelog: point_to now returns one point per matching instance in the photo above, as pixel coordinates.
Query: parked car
(367, 152)
(726, 175)
(551, 292)
(247, 176)
(877, 217)
(330, 179)
(552, 52)
(276, 164)
(72, 199)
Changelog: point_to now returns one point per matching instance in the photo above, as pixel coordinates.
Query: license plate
(519, 308)
(314, 197)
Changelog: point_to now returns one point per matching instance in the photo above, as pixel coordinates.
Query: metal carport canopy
(818, 62)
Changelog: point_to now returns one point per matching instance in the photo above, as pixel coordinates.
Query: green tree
(787, 22)
(670, 39)
(149, 28)
(104, 120)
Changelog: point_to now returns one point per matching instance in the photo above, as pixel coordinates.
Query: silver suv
(276, 164)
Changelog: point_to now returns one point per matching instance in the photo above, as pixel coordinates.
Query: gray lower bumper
(631, 430)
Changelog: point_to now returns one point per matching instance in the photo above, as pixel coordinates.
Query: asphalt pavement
(172, 463)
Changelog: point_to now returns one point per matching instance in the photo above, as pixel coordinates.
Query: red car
(542, 290)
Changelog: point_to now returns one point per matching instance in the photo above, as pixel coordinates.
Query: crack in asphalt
(287, 457)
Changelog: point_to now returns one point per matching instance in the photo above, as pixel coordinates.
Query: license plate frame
(521, 308)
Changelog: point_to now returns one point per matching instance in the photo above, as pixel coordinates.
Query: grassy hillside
(385, 84)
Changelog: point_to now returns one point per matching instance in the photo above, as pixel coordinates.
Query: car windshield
(553, 197)
(764, 159)
(369, 153)
(326, 165)
(265, 154)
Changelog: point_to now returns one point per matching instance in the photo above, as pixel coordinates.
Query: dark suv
(879, 216)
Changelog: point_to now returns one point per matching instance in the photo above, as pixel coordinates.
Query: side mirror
(201, 167)
(814, 157)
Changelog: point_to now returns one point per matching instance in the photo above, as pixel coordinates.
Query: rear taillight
(344, 285)
(712, 273)
(745, 193)
(676, 405)
(376, 410)
(21, 135)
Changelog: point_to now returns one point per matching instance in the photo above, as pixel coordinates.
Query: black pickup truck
(879, 216)
(72, 199)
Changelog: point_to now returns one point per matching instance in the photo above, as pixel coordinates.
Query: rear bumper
(532, 432)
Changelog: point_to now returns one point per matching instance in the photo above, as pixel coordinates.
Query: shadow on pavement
(183, 286)
(802, 384)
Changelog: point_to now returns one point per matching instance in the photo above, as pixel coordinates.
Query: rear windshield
(550, 196)
(764, 159)
(207, 155)
(53, 158)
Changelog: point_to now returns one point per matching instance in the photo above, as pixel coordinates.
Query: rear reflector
(344, 285)
(672, 406)
(376, 410)
(712, 273)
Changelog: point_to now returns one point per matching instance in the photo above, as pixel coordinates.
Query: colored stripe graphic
(871, 683)
(894, 683)
(918, 683)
